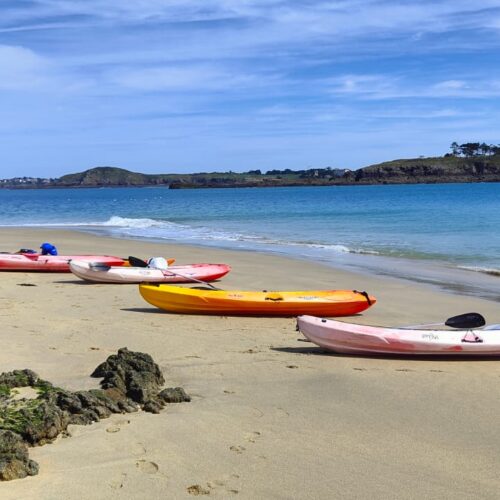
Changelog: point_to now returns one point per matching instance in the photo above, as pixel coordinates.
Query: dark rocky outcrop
(134, 374)
(14, 460)
(131, 380)
(174, 395)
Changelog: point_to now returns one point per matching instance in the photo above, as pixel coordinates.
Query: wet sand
(271, 417)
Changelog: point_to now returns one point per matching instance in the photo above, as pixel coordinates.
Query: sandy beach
(270, 417)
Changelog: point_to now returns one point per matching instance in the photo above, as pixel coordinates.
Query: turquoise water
(454, 224)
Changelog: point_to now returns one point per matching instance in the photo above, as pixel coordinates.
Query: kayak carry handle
(365, 295)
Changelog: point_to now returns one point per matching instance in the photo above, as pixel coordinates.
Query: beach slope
(270, 417)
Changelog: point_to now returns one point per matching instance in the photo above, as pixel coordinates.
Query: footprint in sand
(117, 425)
(404, 370)
(237, 449)
(147, 467)
(217, 483)
(252, 437)
(118, 484)
(197, 489)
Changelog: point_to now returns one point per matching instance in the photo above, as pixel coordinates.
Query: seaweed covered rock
(135, 374)
(14, 460)
(132, 380)
(38, 421)
(16, 378)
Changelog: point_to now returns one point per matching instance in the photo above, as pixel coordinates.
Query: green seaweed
(23, 414)
(19, 415)
(44, 387)
(21, 378)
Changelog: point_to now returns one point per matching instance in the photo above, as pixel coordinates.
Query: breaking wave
(483, 270)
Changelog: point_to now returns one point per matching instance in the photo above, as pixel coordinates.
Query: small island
(469, 162)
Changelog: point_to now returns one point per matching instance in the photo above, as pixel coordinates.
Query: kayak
(244, 303)
(350, 338)
(50, 263)
(172, 274)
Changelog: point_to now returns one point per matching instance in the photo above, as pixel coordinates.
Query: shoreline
(270, 417)
(444, 276)
(436, 276)
(354, 235)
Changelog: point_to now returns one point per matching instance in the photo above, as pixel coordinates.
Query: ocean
(433, 233)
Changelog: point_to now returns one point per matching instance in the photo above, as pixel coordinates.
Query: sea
(442, 234)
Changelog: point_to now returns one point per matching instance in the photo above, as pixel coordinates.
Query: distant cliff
(108, 176)
(445, 169)
(429, 171)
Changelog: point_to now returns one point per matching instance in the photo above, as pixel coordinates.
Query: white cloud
(21, 69)
(387, 87)
(185, 78)
(362, 84)
(451, 85)
(272, 70)
(282, 19)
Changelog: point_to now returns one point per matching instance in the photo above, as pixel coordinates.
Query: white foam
(167, 230)
(485, 270)
(116, 221)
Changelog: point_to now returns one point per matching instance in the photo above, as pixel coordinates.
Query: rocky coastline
(34, 412)
(445, 169)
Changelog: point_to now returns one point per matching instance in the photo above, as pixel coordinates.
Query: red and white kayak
(349, 338)
(172, 274)
(50, 263)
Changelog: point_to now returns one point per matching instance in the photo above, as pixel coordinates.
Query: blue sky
(203, 85)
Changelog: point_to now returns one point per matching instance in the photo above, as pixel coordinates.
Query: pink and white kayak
(349, 338)
(50, 263)
(172, 274)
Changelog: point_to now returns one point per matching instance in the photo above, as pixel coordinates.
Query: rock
(133, 373)
(174, 395)
(14, 460)
(153, 406)
(128, 406)
(131, 380)
(41, 421)
(68, 401)
(18, 378)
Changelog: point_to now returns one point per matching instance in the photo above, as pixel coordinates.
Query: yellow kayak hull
(245, 303)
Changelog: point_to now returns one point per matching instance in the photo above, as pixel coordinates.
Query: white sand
(271, 417)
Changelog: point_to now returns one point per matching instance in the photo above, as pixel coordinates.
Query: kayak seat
(158, 263)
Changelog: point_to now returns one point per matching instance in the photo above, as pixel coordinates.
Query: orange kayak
(245, 303)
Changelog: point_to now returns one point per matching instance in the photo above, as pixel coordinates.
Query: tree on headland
(455, 149)
(471, 149)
